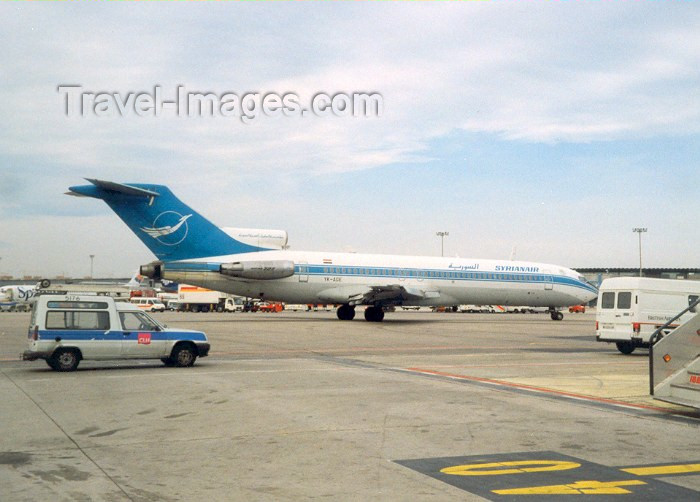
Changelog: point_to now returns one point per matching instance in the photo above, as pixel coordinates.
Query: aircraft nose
(590, 296)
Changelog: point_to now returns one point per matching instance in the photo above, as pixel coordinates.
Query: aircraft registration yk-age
(192, 250)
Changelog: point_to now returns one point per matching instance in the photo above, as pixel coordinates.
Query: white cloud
(483, 69)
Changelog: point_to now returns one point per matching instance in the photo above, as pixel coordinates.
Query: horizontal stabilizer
(122, 188)
(101, 187)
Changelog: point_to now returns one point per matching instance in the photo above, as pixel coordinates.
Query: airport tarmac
(297, 406)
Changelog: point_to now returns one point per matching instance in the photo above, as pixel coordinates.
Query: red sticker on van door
(145, 338)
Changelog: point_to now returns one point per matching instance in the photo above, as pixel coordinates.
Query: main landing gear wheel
(346, 313)
(374, 314)
(557, 316)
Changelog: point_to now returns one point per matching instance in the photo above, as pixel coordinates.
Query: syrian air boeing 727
(190, 249)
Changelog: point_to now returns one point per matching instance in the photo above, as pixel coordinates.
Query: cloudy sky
(551, 128)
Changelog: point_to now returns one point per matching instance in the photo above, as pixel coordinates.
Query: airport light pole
(92, 259)
(442, 236)
(640, 231)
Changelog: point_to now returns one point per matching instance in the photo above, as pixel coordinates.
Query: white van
(148, 304)
(630, 309)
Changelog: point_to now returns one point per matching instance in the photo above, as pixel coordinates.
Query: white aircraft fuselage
(192, 250)
(319, 276)
(14, 296)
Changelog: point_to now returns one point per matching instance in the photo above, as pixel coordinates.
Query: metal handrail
(656, 334)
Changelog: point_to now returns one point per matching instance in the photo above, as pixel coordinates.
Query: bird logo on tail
(168, 234)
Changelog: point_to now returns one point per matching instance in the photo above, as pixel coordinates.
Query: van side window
(624, 300)
(608, 301)
(57, 319)
(136, 321)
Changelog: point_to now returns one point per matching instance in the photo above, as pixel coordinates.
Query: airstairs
(674, 361)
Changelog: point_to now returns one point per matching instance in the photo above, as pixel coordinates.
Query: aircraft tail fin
(167, 226)
(136, 280)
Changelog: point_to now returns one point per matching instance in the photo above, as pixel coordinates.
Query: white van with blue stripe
(66, 329)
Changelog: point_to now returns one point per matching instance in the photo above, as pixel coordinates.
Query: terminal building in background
(596, 275)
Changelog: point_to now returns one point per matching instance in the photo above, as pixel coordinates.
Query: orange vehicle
(271, 307)
(578, 309)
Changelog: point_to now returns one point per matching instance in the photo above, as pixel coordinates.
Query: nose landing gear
(555, 314)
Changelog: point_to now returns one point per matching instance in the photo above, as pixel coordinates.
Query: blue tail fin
(167, 226)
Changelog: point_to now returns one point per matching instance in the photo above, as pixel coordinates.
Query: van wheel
(183, 356)
(49, 361)
(65, 360)
(625, 347)
(167, 361)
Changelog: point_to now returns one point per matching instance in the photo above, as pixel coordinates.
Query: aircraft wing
(370, 295)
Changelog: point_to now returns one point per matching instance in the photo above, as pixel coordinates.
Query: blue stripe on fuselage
(441, 274)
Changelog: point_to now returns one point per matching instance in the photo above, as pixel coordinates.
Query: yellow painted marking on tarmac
(577, 488)
(482, 469)
(659, 470)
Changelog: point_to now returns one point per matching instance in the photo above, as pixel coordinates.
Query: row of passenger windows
(432, 274)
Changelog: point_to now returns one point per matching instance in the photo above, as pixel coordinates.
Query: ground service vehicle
(148, 304)
(577, 309)
(296, 306)
(196, 299)
(630, 309)
(270, 307)
(66, 329)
